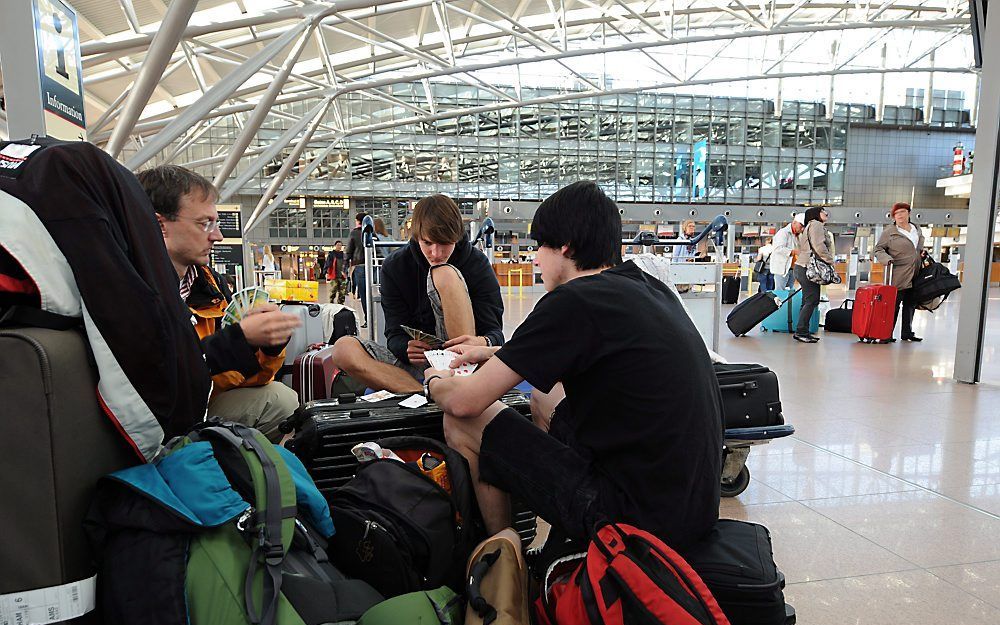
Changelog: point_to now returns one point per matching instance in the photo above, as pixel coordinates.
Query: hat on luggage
(899, 206)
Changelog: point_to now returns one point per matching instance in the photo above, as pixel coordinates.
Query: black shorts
(554, 480)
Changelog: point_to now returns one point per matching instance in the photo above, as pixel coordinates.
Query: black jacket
(355, 248)
(404, 294)
(99, 216)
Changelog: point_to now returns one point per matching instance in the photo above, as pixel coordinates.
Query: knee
(446, 277)
(348, 353)
(454, 434)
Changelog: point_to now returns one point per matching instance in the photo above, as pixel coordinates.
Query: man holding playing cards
(243, 357)
(438, 290)
(627, 411)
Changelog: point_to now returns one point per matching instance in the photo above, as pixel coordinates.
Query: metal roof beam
(160, 50)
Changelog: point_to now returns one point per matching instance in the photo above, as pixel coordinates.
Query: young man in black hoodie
(438, 284)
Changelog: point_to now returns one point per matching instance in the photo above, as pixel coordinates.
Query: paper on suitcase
(49, 605)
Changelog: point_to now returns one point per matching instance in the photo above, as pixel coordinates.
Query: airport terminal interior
(735, 116)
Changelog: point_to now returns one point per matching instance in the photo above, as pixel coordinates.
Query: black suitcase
(840, 319)
(340, 426)
(55, 442)
(748, 314)
(730, 289)
(749, 395)
(736, 562)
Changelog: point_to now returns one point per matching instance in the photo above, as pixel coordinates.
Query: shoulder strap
(37, 318)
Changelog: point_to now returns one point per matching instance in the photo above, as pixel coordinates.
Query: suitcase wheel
(732, 488)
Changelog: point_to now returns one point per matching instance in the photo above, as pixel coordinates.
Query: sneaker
(805, 338)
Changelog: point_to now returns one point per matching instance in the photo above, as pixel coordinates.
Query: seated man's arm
(468, 396)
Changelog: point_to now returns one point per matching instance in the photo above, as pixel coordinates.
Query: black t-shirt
(642, 400)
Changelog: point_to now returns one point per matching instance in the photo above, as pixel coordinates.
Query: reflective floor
(885, 505)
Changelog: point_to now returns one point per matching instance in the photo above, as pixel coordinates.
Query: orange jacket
(232, 361)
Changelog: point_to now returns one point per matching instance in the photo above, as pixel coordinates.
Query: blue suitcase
(785, 318)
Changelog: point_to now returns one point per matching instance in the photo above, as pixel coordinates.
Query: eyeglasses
(206, 225)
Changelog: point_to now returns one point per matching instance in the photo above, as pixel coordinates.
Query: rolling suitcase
(785, 318)
(874, 312)
(751, 311)
(839, 319)
(309, 333)
(326, 453)
(749, 395)
(56, 442)
(313, 374)
(730, 289)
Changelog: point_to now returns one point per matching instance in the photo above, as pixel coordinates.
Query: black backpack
(398, 529)
(344, 324)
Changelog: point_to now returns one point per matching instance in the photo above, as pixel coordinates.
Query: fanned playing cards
(242, 303)
(442, 359)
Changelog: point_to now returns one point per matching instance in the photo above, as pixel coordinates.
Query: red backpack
(626, 577)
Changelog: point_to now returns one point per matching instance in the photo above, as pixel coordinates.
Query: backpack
(402, 529)
(224, 528)
(627, 576)
(440, 606)
(498, 582)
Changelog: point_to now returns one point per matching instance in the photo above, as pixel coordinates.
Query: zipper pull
(365, 548)
(241, 523)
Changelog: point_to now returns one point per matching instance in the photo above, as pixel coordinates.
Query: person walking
(786, 242)
(901, 244)
(812, 241)
(336, 274)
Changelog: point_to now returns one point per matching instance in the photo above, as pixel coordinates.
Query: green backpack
(224, 528)
(440, 606)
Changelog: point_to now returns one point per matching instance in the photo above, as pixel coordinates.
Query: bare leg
(350, 356)
(544, 404)
(455, 302)
(466, 437)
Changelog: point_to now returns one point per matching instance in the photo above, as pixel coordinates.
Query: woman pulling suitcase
(901, 244)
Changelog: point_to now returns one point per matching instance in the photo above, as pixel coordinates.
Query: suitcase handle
(750, 385)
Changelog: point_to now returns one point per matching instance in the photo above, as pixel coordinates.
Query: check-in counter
(994, 272)
(515, 274)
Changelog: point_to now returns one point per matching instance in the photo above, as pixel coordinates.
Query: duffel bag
(840, 319)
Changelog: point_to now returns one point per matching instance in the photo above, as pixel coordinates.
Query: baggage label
(48, 605)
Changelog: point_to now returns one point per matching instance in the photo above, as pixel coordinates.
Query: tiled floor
(885, 505)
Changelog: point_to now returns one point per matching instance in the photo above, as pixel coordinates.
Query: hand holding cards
(425, 337)
(242, 304)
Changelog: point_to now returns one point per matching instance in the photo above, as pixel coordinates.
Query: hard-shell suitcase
(749, 395)
(313, 374)
(786, 318)
(309, 333)
(874, 312)
(730, 289)
(55, 442)
(839, 319)
(339, 426)
(736, 561)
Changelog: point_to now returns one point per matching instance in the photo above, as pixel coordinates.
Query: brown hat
(900, 206)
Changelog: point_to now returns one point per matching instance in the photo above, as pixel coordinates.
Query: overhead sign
(60, 70)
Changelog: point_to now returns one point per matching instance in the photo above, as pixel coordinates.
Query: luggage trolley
(736, 441)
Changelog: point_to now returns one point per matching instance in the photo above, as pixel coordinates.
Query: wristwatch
(489, 343)
(427, 386)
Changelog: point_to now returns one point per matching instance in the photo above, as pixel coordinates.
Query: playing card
(376, 396)
(413, 401)
(420, 335)
(440, 358)
(465, 369)
(242, 303)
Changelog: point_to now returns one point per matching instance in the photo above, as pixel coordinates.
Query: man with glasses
(242, 358)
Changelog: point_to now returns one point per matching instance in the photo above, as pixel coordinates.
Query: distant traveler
(438, 284)
(763, 262)
(243, 358)
(811, 241)
(786, 242)
(356, 258)
(689, 253)
(901, 245)
(626, 403)
(336, 274)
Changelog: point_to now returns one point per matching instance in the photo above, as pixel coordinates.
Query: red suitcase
(313, 373)
(874, 312)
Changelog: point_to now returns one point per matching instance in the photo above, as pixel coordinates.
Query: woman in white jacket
(786, 240)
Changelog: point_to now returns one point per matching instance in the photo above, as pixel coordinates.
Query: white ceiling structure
(158, 73)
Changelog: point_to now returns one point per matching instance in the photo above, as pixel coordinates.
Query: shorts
(554, 480)
(381, 353)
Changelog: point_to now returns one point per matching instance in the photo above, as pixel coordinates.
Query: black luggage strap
(263, 547)
(37, 318)
(794, 293)
(476, 599)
